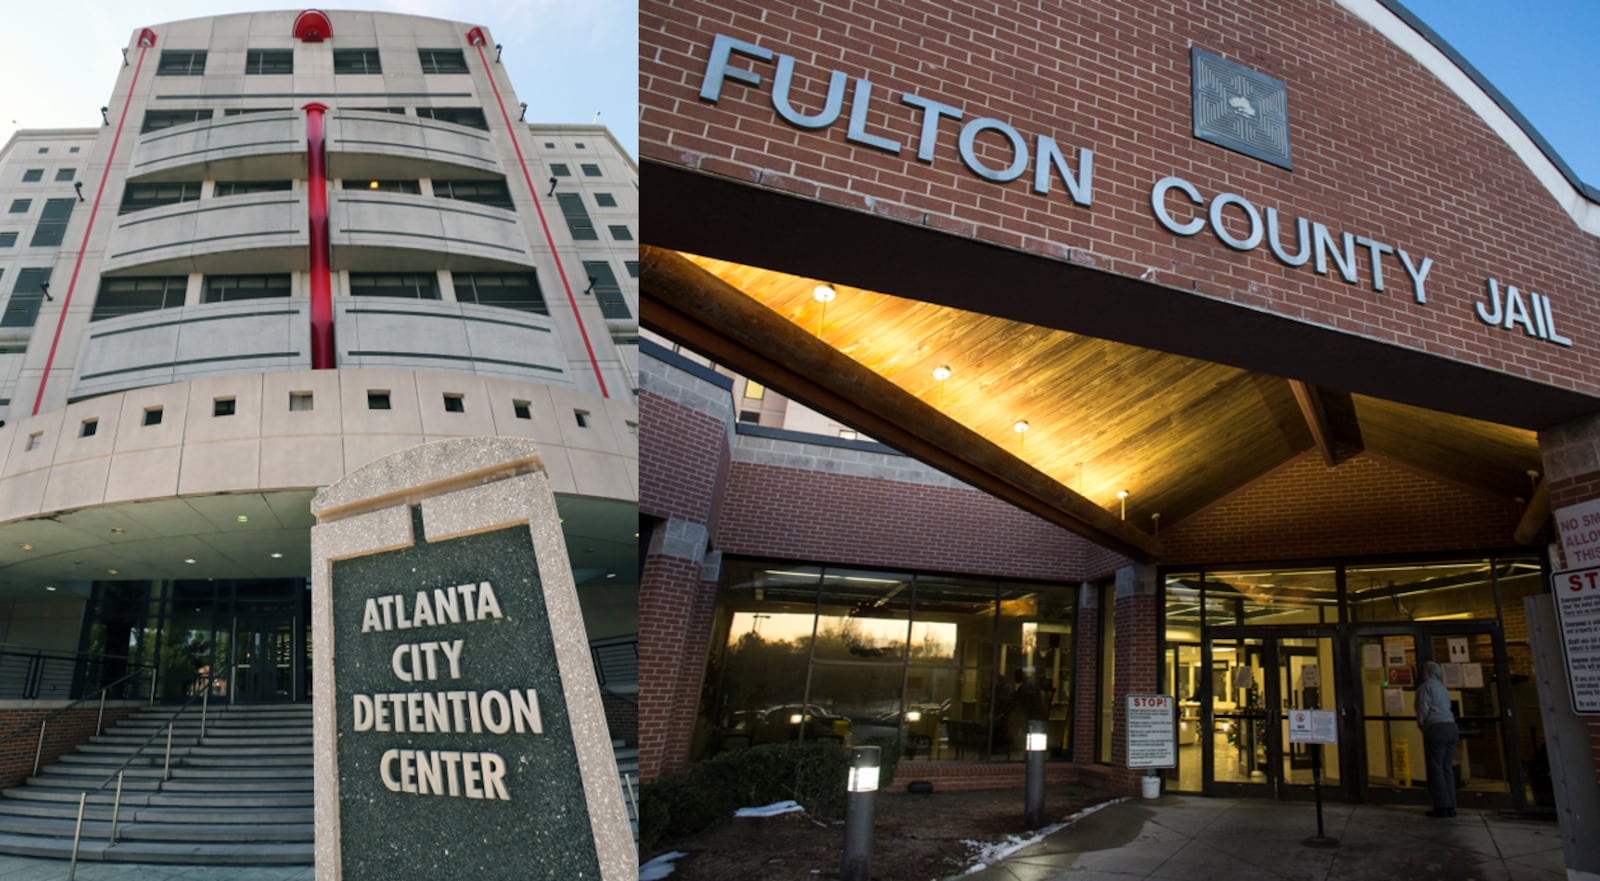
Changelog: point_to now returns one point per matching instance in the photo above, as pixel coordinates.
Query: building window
(43, 150)
(246, 187)
(181, 62)
(468, 116)
(590, 169)
(32, 175)
(399, 110)
(579, 145)
(138, 197)
(301, 401)
(754, 391)
(560, 169)
(454, 403)
(21, 206)
(607, 293)
(578, 222)
(377, 399)
(222, 406)
(484, 192)
(34, 439)
(356, 61)
(52, 226)
(442, 60)
(245, 111)
(384, 186)
(549, 145)
(160, 119)
(581, 417)
(69, 150)
(749, 417)
(88, 428)
(632, 267)
(407, 285)
(605, 200)
(522, 409)
(508, 290)
(152, 416)
(228, 288)
(65, 173)
(619, 232)
(132, 295)
(26, 296)
(269, 61)
(7, 239)
(849, 434)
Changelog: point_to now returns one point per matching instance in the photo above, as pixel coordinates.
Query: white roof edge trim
(1584, 213)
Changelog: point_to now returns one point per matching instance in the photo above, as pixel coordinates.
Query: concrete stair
(240, 795)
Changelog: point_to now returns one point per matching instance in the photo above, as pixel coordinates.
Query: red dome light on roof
(312, 26)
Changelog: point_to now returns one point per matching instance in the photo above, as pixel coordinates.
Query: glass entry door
(1255, 681)
(266, 657)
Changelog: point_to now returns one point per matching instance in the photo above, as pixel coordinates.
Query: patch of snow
(988, 853)
(772, 810)
(660, 867)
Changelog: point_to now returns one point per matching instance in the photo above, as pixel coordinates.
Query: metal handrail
(211, 679)
(41, 721)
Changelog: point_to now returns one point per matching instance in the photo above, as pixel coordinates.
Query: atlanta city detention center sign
(457, 711)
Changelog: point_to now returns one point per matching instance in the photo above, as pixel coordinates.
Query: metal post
(100, 721)
(863, 789)
(1318, 840)
(632, 799)
(205, 703)
(153, 686)
(40, 750)
(1033, 803)
(166, 768)
(77, 832)
(116, 808)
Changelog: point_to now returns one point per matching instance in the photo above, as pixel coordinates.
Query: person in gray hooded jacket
(1439, 736)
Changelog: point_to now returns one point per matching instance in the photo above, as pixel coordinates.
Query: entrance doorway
(1254, 680)
(266, 659)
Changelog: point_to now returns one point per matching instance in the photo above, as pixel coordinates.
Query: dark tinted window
(469, 116)
(266, 61)
(129, 296)
(442, 60)
(23, 307)
(607, 293)
(356, 61)
(52, 222)
(159, 119)
(578, 222)
(484, 192)
(508, 290)
(227, 288)
(409, 285)
(180, 62)
(138, 197)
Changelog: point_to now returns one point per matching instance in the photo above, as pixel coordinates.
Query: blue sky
(567, 58)
(1542, 54)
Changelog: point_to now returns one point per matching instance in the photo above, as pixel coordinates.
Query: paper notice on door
(1471, 675)
(1394, 650)
(1452, 675)
(1372, 656)
(1460, 651)
(1394, 702)
(1308, 676)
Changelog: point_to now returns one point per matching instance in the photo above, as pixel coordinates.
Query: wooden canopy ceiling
(1175, 433)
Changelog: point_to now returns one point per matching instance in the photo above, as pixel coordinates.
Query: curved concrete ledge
(399, 145)
(266, 145)
(421, 232)
(234, 234)
(390, 332)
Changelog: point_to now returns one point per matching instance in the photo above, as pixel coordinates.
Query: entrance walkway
(1184, 838)
(30, 869)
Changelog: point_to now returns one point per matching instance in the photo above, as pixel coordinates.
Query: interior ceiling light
(113, 572)
(49, 587)
(26, 547)
(243, 518)
(373, 185)
(276, 555)
(611, 575)
(189, 560)
(117, 530)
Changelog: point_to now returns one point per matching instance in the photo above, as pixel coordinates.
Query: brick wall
(1365, 505)
(1138, 662)
(683, 460)
(792, 513)
(63, 734)
(1381, 148)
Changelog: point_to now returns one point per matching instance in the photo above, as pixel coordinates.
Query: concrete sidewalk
(1185, 838)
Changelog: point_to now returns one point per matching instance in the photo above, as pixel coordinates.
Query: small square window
(578, 144)
(590, 169)
(749, 417)
(549, 145)
(21, 206)
(301, 401)
(35, 439)
(89, 427)
(620, 233)
(152, 416)
(65, 173)
(753, 390)
(377, 399)
(7, 239)
(32, 175)
(582, 416)
(605, 200)
(633, 268)
(633, 429)
(522, 409)
(72, 149)
(44, 149)
(560, 169)
(454, 403)
(222, 406)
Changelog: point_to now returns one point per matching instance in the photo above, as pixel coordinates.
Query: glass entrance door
(1254, 683)
(265, 660)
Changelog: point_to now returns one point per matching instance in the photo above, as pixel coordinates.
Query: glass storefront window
(1272, 596)
(1422, 591)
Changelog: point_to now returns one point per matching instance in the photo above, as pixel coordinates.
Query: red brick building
(1235, 355)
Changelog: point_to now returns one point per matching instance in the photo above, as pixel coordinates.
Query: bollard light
(1033, 792)
(863, 783)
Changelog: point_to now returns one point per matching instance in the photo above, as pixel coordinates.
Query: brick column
(1138, 660)
(1571, 454)
(1087, 690)
(675, 605)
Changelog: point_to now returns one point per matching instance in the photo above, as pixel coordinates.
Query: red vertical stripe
(322, 351)
(72, 284)
(533, 194)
